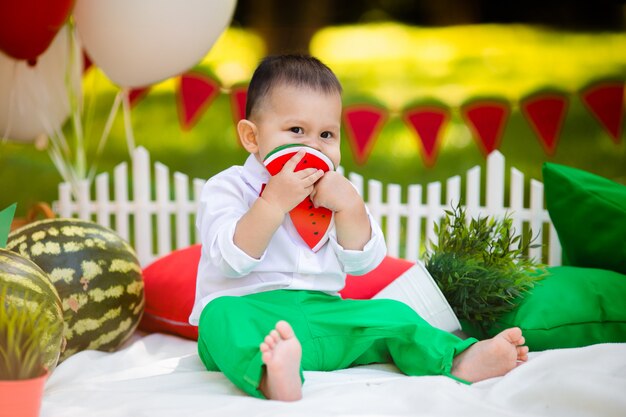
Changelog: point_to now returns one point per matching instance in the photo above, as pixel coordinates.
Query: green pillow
(571, 307)
(589, 215)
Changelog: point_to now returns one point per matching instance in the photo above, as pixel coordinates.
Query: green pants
(334, 333)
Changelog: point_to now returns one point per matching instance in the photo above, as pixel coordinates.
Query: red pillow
(366, 286)
(170, 288)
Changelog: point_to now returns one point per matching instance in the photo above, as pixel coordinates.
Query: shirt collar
(255, 174)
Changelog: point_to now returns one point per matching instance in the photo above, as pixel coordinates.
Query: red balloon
(27, 27)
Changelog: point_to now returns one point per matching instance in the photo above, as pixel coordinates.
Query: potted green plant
(26, 329)
(481, 266)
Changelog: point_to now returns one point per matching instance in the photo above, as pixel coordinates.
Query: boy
(266, 304)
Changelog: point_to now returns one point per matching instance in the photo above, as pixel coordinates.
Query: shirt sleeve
(222, 205)
(360, 262)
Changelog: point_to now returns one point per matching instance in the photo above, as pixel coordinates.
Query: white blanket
(158, 375)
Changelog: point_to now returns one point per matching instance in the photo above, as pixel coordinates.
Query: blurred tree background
(290, 25)
(390, 52)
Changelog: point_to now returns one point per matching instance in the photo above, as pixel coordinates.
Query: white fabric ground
(161, 376)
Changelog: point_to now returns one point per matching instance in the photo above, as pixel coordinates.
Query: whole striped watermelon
(96, 274)
(24, 285)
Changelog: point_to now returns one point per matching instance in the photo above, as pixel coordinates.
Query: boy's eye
(297, 130)
(326, 135)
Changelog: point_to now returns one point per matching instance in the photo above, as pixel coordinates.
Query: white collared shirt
(287, 263)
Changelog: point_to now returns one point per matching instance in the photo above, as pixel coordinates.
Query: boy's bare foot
(491, 358)
(281, 355)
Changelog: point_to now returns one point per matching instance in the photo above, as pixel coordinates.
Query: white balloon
(34, 101)
(139, 42)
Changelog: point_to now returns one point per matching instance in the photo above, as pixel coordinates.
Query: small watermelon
(313, 224)
(96, 274)
(24, 285)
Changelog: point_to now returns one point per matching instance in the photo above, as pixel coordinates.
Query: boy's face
(290, 114)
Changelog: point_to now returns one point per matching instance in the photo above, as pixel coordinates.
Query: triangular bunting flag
(486, 119)
(195, 94)
(136, 94)
(605, 100)
(238, 97)
(545, 113)
(363, 123)
(428, 122)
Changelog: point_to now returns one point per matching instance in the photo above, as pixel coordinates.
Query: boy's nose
(311, 142)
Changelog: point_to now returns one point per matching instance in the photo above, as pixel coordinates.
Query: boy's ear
(248, 132)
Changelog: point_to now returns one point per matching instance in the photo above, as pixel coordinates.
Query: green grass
(389, 64)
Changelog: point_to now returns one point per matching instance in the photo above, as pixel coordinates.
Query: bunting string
(486, 117)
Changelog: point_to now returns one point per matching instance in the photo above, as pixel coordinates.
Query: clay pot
(22, 397)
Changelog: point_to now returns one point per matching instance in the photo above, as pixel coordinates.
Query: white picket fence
(407, 218)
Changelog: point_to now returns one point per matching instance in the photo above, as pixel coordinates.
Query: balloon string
(60, 159)
(73, 94)
(80, 143)
(60, 151)
(105, 133)
(89, 108)
(130, 138)
(57, 137)
(66, 171)
(7, 129)
(37, 86)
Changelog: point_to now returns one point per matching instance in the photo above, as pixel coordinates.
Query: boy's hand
(335, 192)
(288, 188)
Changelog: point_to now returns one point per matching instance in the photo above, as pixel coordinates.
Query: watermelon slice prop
(312, 224)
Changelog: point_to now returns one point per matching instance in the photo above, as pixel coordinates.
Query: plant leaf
(6, 217)
(481, 265)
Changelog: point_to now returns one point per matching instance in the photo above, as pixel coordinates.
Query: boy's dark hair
(294, 70)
